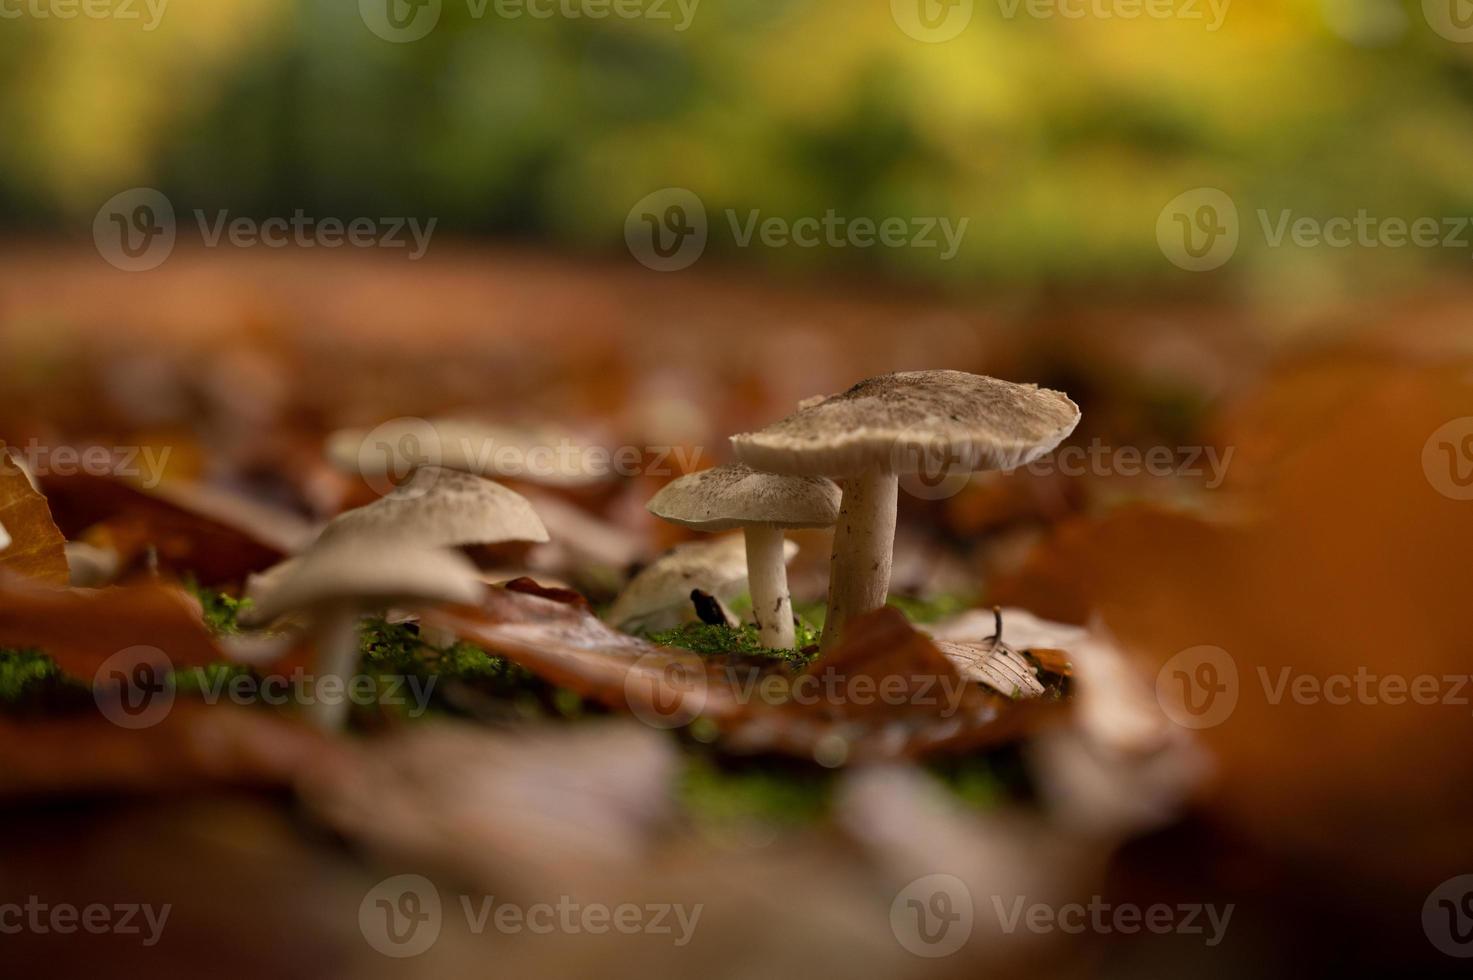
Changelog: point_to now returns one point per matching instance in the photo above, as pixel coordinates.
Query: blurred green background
(1061, 139)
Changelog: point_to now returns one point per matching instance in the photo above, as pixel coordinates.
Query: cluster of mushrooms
(400, 551)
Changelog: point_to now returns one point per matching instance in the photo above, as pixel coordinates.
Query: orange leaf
(36, 547)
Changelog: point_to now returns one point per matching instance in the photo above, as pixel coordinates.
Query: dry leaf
(81, 628)
(37, 548)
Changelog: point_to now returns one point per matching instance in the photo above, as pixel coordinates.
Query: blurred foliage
(1061, 139)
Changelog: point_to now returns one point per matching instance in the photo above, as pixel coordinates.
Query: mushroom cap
(438, 508)
(543, 454)
(736, 495)
(911, 421)
(373, 572)
(718, 566)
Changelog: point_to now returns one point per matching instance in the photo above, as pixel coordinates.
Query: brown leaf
(81, 628)
(36, 547)
(193, 746)
(191, 531)
(885, 691)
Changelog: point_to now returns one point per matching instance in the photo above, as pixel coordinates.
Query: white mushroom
(659, 596)
(336, 582)
(546, 455)
(912, 422)
(763, 505)
(441, 508)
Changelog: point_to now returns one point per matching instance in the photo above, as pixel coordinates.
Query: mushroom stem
(767, 575)
(337, 657)
(864, 540)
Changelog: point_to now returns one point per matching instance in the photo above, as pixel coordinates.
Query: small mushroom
(763, 505)
(897, 424)
(659, 596)
(439, 507)
(337, 582)
(546, 455)
(442, 508)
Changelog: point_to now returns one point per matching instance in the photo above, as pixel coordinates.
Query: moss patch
(737, 641)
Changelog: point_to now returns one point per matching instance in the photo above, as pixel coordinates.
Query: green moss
(754, 791)
(221, 611)
(736, 641)
(932, 608)
(23, 673)
(395, 650)
(212, 677)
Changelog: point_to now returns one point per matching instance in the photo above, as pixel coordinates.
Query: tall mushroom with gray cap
(338, 581)
(763, 505)
(892, 425)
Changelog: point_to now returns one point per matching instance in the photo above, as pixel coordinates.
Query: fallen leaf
(192, 747)
(36, 547)
(82, 628)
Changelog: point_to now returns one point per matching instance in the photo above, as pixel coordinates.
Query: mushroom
(546, 455)
(897, 424)
(442, 508)
(659, 597)
(763, 505)
(337, 581)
